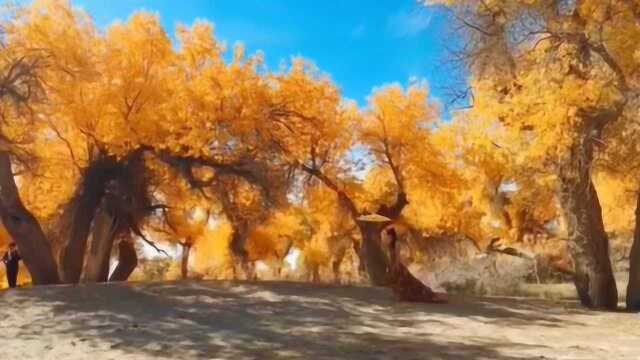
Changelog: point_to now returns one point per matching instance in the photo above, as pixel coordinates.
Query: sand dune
(236, 320)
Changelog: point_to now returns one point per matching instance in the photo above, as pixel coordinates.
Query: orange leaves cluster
(129, 87)
(548, 79)
(566, 61)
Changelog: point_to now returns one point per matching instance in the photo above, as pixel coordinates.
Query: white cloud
(407, 23)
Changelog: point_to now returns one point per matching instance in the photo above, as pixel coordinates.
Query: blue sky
(360, 44)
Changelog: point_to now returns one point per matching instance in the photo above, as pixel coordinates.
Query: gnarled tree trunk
(588, 241)
(78, 217)
(633, 287)
(127, 261)
(375, 258)
(103, 234)
(24, 228)
(75, 229)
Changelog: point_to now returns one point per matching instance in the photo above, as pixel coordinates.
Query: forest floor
(238, 320)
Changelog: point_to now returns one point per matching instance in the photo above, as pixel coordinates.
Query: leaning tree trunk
(78, 217)
(588, 241)
(103, 234)
(633, 287)
(127, 261)
(25, 229)
(76, 227)
(184, 265)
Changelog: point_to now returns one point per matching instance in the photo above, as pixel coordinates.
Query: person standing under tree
(10, 260)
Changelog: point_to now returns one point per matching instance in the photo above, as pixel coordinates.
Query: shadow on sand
(262, 320)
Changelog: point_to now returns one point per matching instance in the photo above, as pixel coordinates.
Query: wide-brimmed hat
(373, 218)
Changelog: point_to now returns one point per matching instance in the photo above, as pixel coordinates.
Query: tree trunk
(127, 261)
(75, 230)
(25, 229)
(371, 254)
(103, 235)
(335, 267)
(588, 241)
(315, 274)
(184, 265)
(237, 245)
(633, 287)
(78, 216)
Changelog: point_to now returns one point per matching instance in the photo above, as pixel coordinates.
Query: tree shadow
(266, 320)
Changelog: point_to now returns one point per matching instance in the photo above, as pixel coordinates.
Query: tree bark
(103, 234)
(127, 261)
(375, 259)
(75, 230)
(25, 229)
(78, 217)
(371, 254)
(633, 287)
(184, 265)
(79, 214)
(588, 241)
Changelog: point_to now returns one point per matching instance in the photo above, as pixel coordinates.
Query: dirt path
(225, 320)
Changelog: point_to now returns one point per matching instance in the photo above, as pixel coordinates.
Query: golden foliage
(212, 252)
(618, 198)
(490, 171)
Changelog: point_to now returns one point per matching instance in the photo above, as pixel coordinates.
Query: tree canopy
(111, 138)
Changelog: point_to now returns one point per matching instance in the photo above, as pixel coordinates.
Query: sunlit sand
(237, 320)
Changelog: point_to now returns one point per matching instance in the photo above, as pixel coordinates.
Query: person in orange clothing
(406, 286)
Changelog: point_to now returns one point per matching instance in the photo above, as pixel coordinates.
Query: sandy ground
(224, 320)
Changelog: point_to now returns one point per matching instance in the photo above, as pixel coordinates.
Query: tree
(619, 177)
(328, 233)
(394, 129)
(558, 73)
(20, 88)
(107, 99)
(186, 222)
(497, 183)
(272, 240)
(212, 255)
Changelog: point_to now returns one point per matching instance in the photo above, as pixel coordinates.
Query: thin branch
(67, 143)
